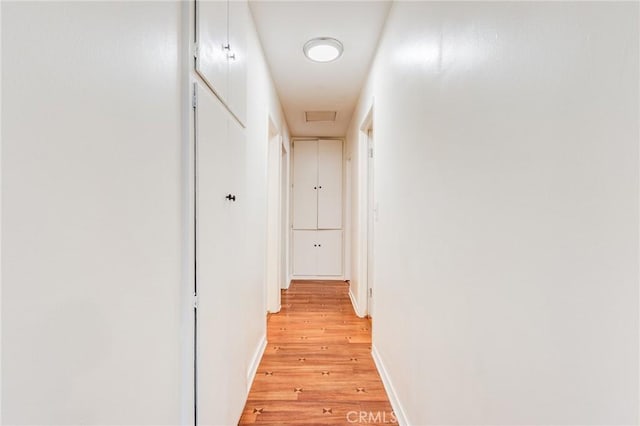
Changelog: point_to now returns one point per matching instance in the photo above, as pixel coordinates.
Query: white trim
(347, 173)
(276, 311)
(365, 250)
(285, 232)
(288, 281)
(255, 362)
(388, 386)
(355, 304)
(273, 261)
(188, 329)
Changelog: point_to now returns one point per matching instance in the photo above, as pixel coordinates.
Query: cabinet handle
(231, 197)
(315, 187)
(315, 245)
(319, 187)
(319, 245)
(230, 54)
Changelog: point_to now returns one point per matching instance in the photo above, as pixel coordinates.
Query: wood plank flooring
(317, 368)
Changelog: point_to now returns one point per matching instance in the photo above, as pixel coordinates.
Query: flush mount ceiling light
(323, 49)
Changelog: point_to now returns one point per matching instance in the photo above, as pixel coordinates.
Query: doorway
(370, 220)
(284, 216)
(274, 219)
(368, 210)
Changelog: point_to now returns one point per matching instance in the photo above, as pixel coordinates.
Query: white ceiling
(285, 26)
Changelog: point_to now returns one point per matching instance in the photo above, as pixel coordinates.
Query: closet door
(329, 252)
(305, 184)
(211, 39)
(216, 256)
(305, 253)
(238, 24)
(329, 184)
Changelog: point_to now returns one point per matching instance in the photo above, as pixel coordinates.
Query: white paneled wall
(506, 240)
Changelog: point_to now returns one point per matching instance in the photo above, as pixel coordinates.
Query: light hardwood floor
(317, 367)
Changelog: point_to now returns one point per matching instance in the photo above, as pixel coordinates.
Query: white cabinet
(329, 252)
(317, 208)
(221, 51)
(317, 184)
(305, 253)
(317, 253)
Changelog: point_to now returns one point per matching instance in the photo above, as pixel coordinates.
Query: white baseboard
(288, 281)
(388, 386)
(317, 278)
(255, 362)
(355, 305)
(276, 311)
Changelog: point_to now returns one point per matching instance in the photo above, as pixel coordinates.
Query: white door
(305, 184)
(305, 252)
(211, 39)
(217, 228)
(329, 184)
(329, 252)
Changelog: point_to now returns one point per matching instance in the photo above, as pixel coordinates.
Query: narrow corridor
(317, 368)
(466, 172)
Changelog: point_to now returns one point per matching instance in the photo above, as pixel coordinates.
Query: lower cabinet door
(305, 253)
(329, 252)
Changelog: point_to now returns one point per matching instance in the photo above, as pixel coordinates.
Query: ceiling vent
(310, 116)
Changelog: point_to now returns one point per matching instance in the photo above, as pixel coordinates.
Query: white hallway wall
(92, 219)
(263, 103)
(96, 277)
(506, 269)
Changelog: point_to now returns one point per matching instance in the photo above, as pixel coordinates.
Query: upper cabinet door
(238, 26)
(329, 184)
(221, 58)
(305, 184)
(212, 41)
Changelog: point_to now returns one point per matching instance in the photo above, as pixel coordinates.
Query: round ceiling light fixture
(323, 49)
